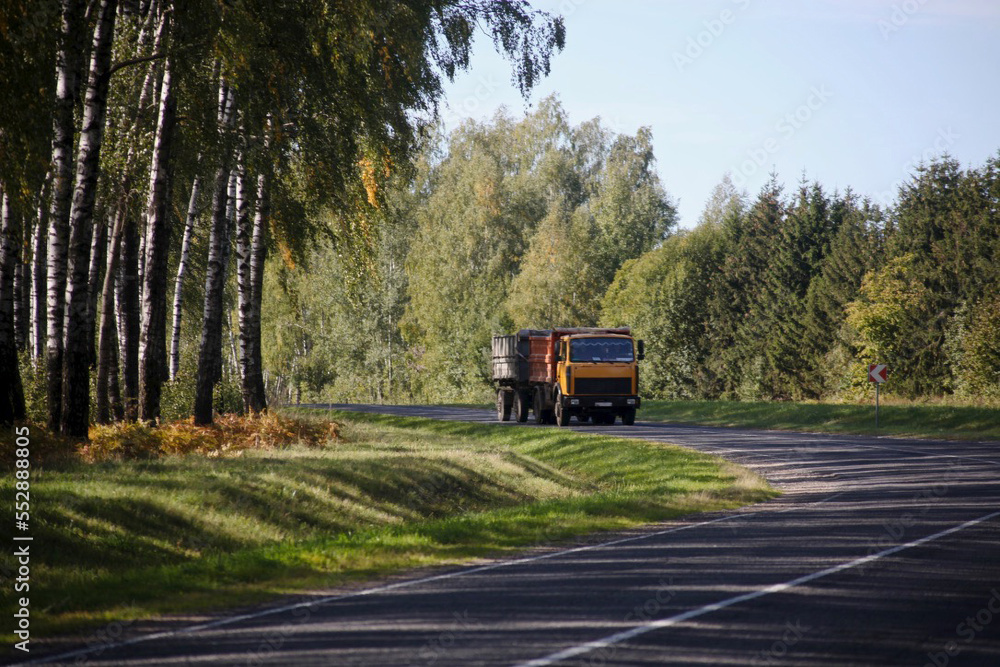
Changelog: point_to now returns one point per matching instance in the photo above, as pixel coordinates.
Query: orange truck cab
(588, 373)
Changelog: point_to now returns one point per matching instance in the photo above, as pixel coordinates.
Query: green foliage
(559, 280)
(891, 304)
(513, 224)
(975, 350)
(830, 343)
(778, 299)
(664, 296)
(524, 224)
(33, 379)
(332, 331)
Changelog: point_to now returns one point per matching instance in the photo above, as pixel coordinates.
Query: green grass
(125, 540)
(964, 422)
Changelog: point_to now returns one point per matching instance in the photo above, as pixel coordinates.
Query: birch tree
(152, 338)
(12, 393)
(137, 101)
(175, 325)
(39, 264)
(210, 344)
(75, 413)
(63, 130)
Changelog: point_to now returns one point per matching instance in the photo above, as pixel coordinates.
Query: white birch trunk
(152, 338)
(75, 415)
(175, 338)
(62, 175)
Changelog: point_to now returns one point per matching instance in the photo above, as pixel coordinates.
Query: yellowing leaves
(229, 435)
(373, 176)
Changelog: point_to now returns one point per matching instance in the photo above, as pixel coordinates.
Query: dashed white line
(620, 637)
(379, 589)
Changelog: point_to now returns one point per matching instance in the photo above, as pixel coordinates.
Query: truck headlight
(574, 401)
(630, 401)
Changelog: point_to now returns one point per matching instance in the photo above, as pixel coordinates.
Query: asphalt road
(880, 552)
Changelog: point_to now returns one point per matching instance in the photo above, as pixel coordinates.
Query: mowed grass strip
(131, 539)
(959, 422)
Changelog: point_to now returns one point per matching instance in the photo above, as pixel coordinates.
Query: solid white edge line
(716, 606)
(380, 589)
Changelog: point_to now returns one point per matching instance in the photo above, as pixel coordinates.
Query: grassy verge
(907, 419)
(127, 539)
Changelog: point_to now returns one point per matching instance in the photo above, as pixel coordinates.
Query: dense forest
(212, 206)
(785, 295)
(155, 155)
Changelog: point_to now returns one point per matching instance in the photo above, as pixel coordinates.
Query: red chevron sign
(878, 373)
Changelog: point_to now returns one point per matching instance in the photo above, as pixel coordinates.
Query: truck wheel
(504, 400)
(562, 416)
(628, 417)
(520, 406)
(540, 415)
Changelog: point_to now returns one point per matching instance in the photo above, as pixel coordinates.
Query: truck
(588, 373)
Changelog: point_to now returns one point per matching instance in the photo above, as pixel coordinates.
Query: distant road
(881, 552)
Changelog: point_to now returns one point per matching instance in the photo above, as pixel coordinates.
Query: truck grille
(603, 385)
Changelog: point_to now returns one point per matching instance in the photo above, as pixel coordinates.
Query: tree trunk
(107, 346)
(244, 287)
(175, 338)
(151, 90)
(250, 249)
(129, 277)
(39, 266)
(75, 415)
(128, 304)
(258, 255)
(210, 348)
(98, 253)
(22, 287)
(210, 345)
(152, 345)
(12, 393)
(62, 174)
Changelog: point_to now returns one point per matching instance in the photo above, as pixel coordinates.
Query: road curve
(880, 552)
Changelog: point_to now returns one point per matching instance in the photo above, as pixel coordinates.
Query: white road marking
(619, 637)
(382, 589)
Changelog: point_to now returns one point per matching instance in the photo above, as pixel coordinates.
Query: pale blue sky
(851, 91)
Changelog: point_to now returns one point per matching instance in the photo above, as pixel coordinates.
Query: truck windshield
(600, 349)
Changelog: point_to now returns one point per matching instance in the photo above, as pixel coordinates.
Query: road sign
(878, 373)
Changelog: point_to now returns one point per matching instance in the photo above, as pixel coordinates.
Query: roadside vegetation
(143, 531)
(931, 420)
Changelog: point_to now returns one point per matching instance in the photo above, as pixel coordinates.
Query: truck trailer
(591, 374)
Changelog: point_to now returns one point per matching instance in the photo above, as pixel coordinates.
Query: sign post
(877, 373)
